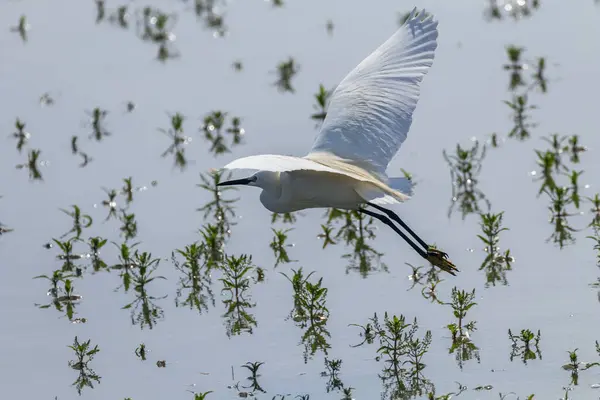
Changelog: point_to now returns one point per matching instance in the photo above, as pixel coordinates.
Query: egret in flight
(369, 115)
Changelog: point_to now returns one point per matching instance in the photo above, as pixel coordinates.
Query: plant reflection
(194, 285)
(84, 354)
(177, 147)
(462, 345)
(236, 284)
(465, 166)
(310, 312)
(402, 353)
(523, 343)
(496, 263)
(144, 312)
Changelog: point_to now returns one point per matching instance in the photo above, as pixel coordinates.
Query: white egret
(368, 119)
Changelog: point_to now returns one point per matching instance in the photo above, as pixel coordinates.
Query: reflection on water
(84, 354)
(496, 263)
(525, 345)
(465, 166)
(310, 312)
(236, 288)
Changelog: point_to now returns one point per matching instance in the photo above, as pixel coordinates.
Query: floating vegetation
(214, 129)
(80, 221)
(144, 312)
(177, 147)
(46, 99)
(68, 256)
(20, 134)
(63, 296)
(520, 117)
(253, 386)
(322, 98)
(155, 26)
(33, 165)
(98, 123)
(310, 312)
(207, 11)
(22, 28)
(140, 352)
(402, 353)
(194, 286)
(595, 224)
(120, 17)
(75, 151)
(496, 263)
(517, 66)
(356, 229)
(84, 354)
(236, 285)
(465, 167)
(279, 246)
(462, 345)
(286, 70)
(575, 366)
(524, 344)
(286, 218)
(129, 225)
(516, 9)
(334, 383)
(237, 66)
(553, 168)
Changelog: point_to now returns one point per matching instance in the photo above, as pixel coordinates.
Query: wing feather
(370, 112)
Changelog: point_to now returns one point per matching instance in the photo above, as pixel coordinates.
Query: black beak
(244, 181)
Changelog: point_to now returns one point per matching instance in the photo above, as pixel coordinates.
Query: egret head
(261, 179)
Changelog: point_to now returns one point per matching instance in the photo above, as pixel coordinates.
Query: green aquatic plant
(33, 165)
(515, 66)
(20, 134)
(100, 10)
(496, 263)
(22, 28)
(98, 117)
(560, 198)
(402, 352)
(254, 386)
(126, 263)
(75, 150)
(286, 70)
(84, 355)
(520, 107)
(179, 140)
(209, 11)
(279, 246)
(220, 208)
(120, 17)
(156, 26)
(462, 344)
(129, 225)
(236, 286)
(3, 228)
(140, 352)
(310, 312)
(68, 256)
(214, 127)
(196, 279)
(95, 244)
(144, 312)
(356, 229)
(286, 218)
(465, 167)
(80, 221)
(63, 297)
(322, 98)
(110, 203)
(575, 366)
(523, 345)
(517, 9)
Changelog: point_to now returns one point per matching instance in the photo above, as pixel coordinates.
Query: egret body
(368, 118)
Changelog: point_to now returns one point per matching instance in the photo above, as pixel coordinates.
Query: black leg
(389, 223)
(396, 218)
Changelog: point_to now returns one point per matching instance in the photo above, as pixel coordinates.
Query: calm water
(83, 65)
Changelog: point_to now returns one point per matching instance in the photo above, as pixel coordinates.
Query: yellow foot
(440, 259)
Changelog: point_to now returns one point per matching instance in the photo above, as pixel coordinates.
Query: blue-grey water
(84, 65)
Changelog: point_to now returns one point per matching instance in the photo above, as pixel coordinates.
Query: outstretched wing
(370, 111)
(277, 163)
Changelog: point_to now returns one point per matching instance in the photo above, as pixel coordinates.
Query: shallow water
(84, 65)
